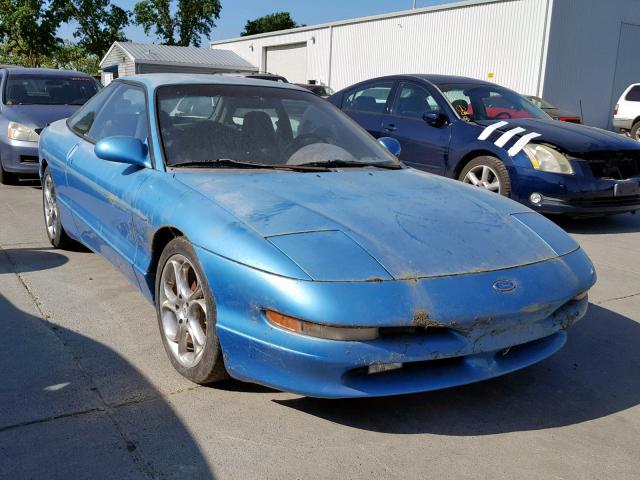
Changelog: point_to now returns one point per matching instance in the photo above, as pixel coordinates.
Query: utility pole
(414, 4)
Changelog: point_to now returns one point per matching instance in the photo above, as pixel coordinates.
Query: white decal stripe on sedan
(502, 141)
(486, 133)
(520, 144)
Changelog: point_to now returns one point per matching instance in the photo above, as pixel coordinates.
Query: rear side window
(370, 98)
(634, 94)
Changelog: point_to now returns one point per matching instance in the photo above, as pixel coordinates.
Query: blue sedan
(281, 245)
(491, 137)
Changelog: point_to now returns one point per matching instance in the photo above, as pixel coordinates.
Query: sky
(235, 13)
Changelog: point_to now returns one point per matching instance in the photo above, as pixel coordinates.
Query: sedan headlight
(17, 131)
(547, 159)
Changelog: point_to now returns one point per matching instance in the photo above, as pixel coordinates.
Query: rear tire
(488, 173)
(52, 221)
(186, 314)
(635, 131)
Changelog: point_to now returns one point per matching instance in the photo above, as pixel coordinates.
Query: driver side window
(123, 114)
(413, 101)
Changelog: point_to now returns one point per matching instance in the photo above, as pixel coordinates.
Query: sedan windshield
(49, 90)
(475, 102)
(225, 125)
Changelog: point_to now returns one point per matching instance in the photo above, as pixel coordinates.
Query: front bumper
(19, 157)
(578, 194)
(472, 331)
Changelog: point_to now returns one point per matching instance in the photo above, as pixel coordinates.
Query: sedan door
(367, 104)
(106, 190)
(424, 145)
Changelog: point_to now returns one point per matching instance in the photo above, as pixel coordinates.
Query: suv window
(370, 98)
(633, 95)
(82, 121)
(414, 101)
(124, 113)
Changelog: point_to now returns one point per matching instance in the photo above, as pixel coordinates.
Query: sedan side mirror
(391, 144)
(435, 119)
(128, 150)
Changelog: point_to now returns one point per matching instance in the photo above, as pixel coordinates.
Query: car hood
(557, 112)
(37, 116)
(361, 224)
(569, 137)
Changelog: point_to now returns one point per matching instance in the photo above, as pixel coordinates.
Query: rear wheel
(635, 131)
(488, 173)
(187, 315)
(55, 231)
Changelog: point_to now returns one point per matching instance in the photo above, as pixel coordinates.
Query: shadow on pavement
(623, 223)
(20, 260)
(595, 375)
(55, 424)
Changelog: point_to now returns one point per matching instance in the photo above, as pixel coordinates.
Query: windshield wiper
(230, 163)
(348, 163)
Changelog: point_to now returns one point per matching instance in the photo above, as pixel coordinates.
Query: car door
(368, 103)
(424, 146)
(107, 189)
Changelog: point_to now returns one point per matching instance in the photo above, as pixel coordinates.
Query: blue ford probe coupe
(282, 245)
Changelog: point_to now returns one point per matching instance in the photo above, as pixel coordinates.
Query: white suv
(626, 115)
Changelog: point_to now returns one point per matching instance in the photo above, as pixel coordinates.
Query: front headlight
(17, 131)
(547, 159)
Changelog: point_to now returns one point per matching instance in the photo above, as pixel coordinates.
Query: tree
(73, 56)
(269, 23)
(181, 24)
(99, 24)
(28, 28)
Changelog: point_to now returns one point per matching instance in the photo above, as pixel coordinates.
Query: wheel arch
(161, 239)
(464, 161)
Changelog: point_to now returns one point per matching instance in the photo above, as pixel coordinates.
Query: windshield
(49, 90)
(259, 125)
(475, 102)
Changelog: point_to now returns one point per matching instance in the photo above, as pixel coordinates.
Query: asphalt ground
(86, 391)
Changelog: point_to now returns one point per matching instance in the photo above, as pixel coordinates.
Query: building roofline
(114, 45)
(370, 18)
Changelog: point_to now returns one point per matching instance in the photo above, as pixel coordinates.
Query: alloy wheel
(183, 310)
(50, 207)
(483, 176)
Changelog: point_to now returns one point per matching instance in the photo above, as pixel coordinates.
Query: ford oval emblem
(504, 286)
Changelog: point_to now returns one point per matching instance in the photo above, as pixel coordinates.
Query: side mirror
(128, 150)
(391, 144)
(435, 119)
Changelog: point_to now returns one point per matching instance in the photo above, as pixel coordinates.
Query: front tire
(488, 173)
(53, 224)
(187, 315)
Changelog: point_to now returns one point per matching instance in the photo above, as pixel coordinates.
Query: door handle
(70, 154)
(390, 128)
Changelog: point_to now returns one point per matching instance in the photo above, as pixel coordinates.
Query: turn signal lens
(321, 331)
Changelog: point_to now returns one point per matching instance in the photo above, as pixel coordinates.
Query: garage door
(290, 61)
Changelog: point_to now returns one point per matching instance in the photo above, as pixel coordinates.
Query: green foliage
(269, 23)
(28, 28)
(99, 24)
(28, 32)
(182, 22)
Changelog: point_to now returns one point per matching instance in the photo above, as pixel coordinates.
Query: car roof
(433, 78)
(154, 80)
(44, 71)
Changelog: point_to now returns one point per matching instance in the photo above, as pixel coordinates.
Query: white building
(579, 54)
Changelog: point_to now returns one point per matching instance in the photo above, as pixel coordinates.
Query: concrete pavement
(86, 390)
